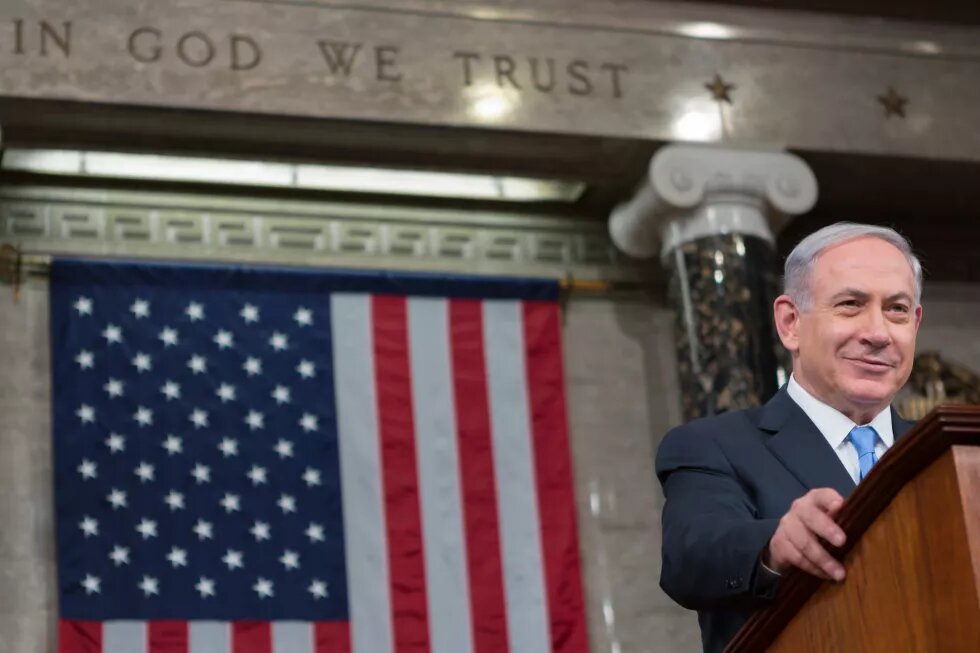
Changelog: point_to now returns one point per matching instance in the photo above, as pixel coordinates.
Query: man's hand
(796, 542)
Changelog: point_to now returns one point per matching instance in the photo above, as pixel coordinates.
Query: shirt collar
(833, 424)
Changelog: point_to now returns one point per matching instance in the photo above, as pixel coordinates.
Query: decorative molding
(165, 225)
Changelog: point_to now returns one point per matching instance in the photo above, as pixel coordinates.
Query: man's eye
(849, 303)
(901, 308)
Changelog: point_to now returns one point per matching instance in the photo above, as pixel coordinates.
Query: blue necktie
(863, 438)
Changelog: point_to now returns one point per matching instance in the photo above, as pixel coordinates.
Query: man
(754, 492)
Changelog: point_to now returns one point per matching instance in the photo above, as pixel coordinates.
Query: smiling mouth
(870, 362)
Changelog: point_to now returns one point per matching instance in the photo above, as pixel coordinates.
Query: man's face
(853, 347)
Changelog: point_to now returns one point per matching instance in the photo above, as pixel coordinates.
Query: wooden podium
(912, 556)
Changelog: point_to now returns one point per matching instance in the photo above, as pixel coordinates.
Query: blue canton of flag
(196, 453)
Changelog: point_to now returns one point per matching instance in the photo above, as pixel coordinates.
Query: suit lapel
(899, 425)
(798, 444)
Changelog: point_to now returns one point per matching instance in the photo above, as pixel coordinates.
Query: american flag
(258, 460)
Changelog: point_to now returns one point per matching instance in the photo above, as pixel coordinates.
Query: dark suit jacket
(728, 479)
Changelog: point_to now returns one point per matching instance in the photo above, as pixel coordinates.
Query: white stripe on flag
(292, 637)
(447, 588)
(124, 637)
(527, 618)
(360, 474)
(208, 637)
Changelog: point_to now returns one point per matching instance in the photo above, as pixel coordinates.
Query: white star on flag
(195, 311)
(168, 336)
(201, 473)
(119, 555)
(226, 392)
(281, 394)
(303, 316)
(144, 416)
(311, 477)
(203, 530)
(233, 559)
(260, 530)
(147, 528)
(205, 587)
(89, 526)
(231, 503)
(198, 364)
(284, 448)
(86, 414)
(117, 498)
(115, 442)
(173, 445)
(224, 340)
(85, 359)
(306, 369)
(199, 418)
(140, 308)
(149, 585)
(112, 334)
(309, 422)
(114, 387)
(91, 584)
(142, 362)
(171, 390)
(287, 503)
(177, 557)
(257, 475)
(144, 471)
(263, 588)
(318, 589)
(249, 313)
(255, 420)
(175, 500)
(315, 532)
(83, 305)
(279, 341)
(87, 469)
(252, 366)
(289, 559)
(228, 447)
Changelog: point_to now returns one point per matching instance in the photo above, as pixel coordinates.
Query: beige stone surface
(619, 68)
(622, 397)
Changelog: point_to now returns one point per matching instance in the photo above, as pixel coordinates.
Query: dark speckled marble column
(722, 288)
(711, 212)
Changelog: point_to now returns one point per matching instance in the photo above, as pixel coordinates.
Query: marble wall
(630, 68)
(621, 375)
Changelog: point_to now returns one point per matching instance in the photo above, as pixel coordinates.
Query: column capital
(692, 191)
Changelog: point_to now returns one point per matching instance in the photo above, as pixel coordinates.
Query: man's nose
(875, 331)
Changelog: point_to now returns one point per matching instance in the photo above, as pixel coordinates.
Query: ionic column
(711, 213)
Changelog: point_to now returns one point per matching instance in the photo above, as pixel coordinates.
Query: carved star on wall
(720, 89)
(894, 103)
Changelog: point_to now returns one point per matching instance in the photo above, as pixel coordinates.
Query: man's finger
(823, 526)
(819, 557)
(806, 543)
(825, 498)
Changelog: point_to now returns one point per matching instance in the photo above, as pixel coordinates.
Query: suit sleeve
(712, 538)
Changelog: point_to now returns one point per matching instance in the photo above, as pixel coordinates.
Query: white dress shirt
(835, 427)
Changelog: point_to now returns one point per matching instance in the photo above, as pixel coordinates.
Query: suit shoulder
(698, 438)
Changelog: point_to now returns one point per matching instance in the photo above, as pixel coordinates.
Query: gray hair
(796, 274)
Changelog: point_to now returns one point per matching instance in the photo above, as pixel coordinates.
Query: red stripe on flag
(79, 636)
(251, 637)
(482, 525)
(331, 637)
(552, 458)
(396, 425)
(167, 636)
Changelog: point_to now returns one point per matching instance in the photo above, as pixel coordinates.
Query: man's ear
(787, 317)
